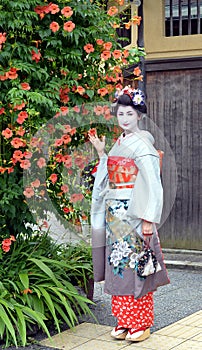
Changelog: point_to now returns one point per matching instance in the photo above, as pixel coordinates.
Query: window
(183, 17)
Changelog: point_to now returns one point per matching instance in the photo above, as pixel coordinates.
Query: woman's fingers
(92, 137)
(98, 143)
(147, 228)
(95, 138)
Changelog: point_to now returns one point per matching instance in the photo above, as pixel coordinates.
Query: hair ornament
(136, 95)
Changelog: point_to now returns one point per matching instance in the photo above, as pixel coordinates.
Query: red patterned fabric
(120, 164)
(121, 169)
(133, 313)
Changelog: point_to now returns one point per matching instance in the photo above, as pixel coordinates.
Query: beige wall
(157, 45)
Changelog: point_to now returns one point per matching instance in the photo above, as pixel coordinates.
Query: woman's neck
(127, 132)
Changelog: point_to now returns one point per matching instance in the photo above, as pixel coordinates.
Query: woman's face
(128, 118)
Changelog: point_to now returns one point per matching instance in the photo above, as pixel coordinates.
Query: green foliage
(47, 65)
(39, 287)
(60, 64)
(14, 213)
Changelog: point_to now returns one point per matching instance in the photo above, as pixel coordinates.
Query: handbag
(146, 263)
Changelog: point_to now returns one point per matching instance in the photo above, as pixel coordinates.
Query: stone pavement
(182, 335)
(178, 315)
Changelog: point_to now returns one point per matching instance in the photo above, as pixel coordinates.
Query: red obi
(121, 169)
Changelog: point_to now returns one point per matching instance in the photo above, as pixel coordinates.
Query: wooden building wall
(173, 85)
(174, 100)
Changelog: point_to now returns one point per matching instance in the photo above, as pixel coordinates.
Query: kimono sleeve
(101, 178)
(98, 200)
(98, 220)
(147, 196)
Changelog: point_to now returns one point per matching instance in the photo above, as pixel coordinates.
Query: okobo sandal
(119, 332)
(137, 335)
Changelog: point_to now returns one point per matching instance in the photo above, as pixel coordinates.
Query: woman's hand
(98, 143)
(147, 228)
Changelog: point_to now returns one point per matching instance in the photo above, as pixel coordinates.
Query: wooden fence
(174, 100)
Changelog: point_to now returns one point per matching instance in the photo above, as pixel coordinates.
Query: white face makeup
(128, 118)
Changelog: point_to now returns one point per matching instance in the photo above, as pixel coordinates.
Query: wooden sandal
(140, 335)
(119, 332)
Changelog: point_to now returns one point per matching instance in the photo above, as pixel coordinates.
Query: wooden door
(174, 100)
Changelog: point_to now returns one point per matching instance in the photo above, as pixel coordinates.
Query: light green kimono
(146, 201)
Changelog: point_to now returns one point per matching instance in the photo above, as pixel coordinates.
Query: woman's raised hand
(98, 143)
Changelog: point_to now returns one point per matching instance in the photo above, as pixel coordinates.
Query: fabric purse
(146, 263)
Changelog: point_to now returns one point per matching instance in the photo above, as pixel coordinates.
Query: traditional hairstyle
(129, 97)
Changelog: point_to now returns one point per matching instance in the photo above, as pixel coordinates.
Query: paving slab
(183, 335)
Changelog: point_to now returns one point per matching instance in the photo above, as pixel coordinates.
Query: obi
(121, 170)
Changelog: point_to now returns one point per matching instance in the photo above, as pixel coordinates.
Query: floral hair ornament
(136, 95)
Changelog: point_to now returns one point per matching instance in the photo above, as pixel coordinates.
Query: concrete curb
(181, 251)
(183, 259)
(177, 264)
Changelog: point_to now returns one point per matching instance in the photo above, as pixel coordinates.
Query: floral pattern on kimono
(123, 250)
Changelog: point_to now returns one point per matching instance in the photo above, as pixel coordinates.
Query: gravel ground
(172, 302)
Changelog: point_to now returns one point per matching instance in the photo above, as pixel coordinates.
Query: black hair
(126, 100)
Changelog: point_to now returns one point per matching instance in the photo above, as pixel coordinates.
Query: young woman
(126, 204)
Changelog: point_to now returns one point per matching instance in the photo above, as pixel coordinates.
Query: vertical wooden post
(180, 16)
(134, 31)
(171, 17)
(189, 17)
(140, 43)
(198, 17)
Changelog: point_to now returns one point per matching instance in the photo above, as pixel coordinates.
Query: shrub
(40, 286)
(60, 64)
(55, 58)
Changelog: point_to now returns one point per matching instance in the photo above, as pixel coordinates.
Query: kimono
(127, 190)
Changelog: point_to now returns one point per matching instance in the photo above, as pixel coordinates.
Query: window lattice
(183, 17)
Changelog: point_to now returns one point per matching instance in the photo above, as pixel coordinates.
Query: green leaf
(5, 320)
(50, 305)
(21, 325)
(38, 317)
(71, 314)
(63, 315)
(90, 93)
(7, 304)
(24, 279)
(45, 269)
(2, 329)
(38, 304)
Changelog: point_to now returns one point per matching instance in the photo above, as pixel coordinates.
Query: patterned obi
(121, 170)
